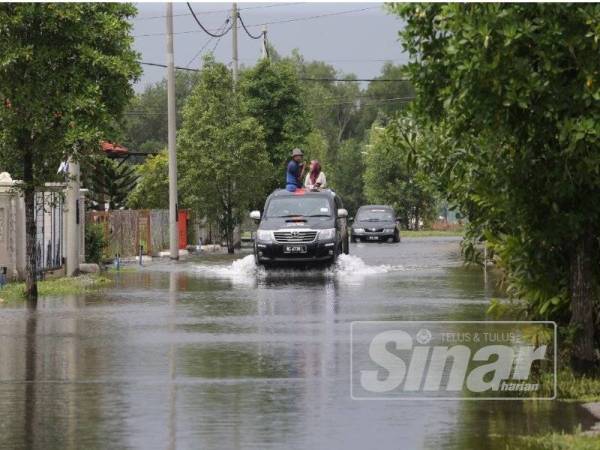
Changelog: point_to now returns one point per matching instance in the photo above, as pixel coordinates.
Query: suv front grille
(294, 237)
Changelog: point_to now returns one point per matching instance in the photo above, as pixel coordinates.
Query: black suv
(375, 223)
(301, 226)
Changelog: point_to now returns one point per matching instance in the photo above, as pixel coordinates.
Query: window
(376, 215)
(298, 206)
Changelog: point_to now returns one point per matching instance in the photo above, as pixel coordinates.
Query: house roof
(113, 149)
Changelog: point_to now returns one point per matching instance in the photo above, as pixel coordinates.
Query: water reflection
(208, 354)
(29, 378)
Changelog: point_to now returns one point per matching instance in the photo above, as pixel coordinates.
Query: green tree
(516, 88)
(145, 127)
(334, 107)
(152, 188)
(65, 75)
(383, 100)
(346, 175)
(108, 181)
(316, 147)
(392, 172)
(272, 94)
(223, 162)
(95, 243)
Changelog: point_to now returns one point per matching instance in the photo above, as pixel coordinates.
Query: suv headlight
(388, 230)
(358, 230)
(326, 235)
(264, 235)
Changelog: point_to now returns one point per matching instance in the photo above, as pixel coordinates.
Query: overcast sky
(358, 42)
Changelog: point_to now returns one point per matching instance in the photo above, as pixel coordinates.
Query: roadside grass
(56, 287)
(560, 441)
(571, 387)
(430, 233)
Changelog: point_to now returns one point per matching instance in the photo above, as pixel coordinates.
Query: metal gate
(49, 230)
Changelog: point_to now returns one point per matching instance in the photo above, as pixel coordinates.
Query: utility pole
(237, 234)
(72, 222)
(265, 53)
(173, 209)
(234, 41)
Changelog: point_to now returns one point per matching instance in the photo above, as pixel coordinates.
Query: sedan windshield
(376, 215)
(298, 206)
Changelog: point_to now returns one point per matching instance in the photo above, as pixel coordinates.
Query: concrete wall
(12, 225)
(12, 228)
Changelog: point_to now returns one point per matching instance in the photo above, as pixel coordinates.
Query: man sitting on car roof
(295, 171)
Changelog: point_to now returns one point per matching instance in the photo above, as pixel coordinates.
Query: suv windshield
(376, 215)
(298, 206)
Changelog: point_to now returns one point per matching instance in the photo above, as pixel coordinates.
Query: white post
(173, 207)
(82, 196)
(265, 54)
(72, 222)
(20, 236)
(237, 241)
(234, 41)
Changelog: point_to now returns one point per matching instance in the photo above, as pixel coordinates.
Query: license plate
(295, 249)
(373, 238)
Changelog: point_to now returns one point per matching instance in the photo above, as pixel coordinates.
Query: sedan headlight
(388, 230)
(326, 235)
(358, 230)
(264, 235)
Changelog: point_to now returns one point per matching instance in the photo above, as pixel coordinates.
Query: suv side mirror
(342, 213)
(255, 215)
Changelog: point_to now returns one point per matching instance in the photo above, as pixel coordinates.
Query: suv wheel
(397, 236)
(256, 260)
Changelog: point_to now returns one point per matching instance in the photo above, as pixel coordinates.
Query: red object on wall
(111, 149)
(182, 226)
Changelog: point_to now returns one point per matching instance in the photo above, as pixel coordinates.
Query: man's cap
(297, 152)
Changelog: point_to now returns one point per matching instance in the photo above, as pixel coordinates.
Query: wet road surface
(212, 353)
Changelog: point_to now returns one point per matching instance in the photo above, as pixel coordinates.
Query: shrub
(94, 243)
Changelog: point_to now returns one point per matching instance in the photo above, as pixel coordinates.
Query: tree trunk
(582, 302)
(417, 216)
(31, 291)
(230, 246)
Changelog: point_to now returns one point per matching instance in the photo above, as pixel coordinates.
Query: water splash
(244, 270)
(348, 265)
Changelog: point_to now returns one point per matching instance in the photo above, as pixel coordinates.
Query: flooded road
(212, 353)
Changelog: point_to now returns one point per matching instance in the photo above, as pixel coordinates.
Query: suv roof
(286, 193)
(376, 207)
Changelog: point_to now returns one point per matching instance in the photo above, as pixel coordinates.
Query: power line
(204, 28)
(214, 11)
(206, 44)
(342, 60)
(318, 16)
(164, 66)
(358, 103)
(275, 22)
(199, 52)
(373, 102)
(351, 80)
(331, 80)
(215, 46)
(247, 31)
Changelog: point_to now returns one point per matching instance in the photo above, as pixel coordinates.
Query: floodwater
(211, 353)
